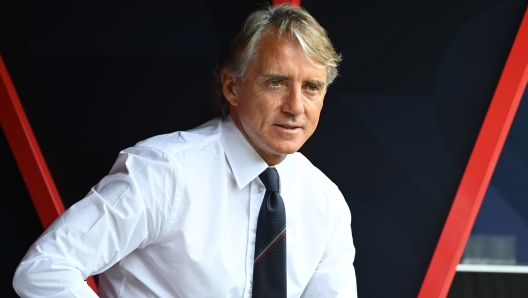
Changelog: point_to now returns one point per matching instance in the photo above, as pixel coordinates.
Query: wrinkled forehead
(272, 41)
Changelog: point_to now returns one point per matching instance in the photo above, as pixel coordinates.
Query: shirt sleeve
(127, 209)
(335, 275)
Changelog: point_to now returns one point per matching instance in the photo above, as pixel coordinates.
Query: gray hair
(289, 20)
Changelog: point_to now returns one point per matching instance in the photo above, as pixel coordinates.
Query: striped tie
(269, 267)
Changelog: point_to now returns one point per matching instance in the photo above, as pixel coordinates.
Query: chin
(287, 149)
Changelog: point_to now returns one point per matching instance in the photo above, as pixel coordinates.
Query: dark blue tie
(269, 268)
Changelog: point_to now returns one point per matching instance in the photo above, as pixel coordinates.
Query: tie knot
(270, 178)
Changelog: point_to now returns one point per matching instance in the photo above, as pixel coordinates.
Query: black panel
(400, 122)
(18, 218)
(99, 76)
(489, 285)
(96, 77)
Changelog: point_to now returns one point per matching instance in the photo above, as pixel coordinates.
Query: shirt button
(261, 189)
(250, 289)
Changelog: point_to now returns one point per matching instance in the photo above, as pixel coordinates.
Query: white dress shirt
(176, 217)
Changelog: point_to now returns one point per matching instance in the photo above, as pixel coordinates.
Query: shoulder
(171, 146)
(309, 187)
(307, 181)
(312, 174)
(326, 194)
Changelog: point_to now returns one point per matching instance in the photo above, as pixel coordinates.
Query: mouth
(285, 126)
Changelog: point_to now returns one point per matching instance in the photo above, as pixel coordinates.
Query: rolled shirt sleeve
(116, 217)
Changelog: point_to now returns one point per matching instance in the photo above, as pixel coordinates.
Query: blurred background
(396, 131)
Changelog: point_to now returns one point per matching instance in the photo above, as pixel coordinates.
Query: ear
(230, 88)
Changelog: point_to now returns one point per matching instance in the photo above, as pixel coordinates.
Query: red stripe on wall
(479, 170)
(27, 154)
(279, 2)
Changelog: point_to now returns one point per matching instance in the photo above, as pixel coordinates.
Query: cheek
(313, 111)
(263, 108)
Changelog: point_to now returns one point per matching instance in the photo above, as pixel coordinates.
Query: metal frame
(479, 169)
(293, 2)
(28, 156)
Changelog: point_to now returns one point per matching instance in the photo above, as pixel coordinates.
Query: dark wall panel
(19, 223)
(489, 285)
(99, 76)
(504, 210)
(400, 122)
(96, 77)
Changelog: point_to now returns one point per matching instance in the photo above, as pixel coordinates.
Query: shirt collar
(244, 160)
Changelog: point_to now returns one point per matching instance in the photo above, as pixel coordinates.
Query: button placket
(256, 195)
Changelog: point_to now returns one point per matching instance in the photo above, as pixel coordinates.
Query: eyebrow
(315, 83)
(280, 77)
(274, 76)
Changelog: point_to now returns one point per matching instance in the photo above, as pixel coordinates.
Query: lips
(288, 126)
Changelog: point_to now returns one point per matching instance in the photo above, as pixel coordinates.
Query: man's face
(277, 104)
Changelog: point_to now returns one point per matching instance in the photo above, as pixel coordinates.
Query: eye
(275, 83)
(312, 88)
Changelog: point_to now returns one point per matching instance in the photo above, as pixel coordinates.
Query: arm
(116, 217)
(335, 276)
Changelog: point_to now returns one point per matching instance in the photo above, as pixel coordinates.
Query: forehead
(284, 52)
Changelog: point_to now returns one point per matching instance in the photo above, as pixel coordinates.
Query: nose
(293, 102)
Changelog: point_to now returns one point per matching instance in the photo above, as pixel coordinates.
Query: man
(202, 213)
